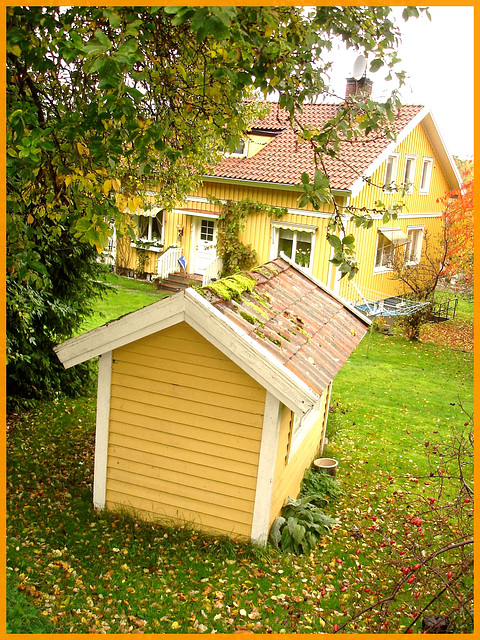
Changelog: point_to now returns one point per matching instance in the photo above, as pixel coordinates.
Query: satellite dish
(359, 68)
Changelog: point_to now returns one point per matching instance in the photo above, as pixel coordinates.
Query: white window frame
(418, 248)
(301, 427)
(276, 239)
(389, 185)
(240, 154)
(149, 236)
(409, 176)
(381, 237)
(426, 176)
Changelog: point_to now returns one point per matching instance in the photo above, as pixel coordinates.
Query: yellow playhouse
(213, 402)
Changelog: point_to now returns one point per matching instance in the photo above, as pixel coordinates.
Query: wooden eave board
(128, 328)
(189, 306)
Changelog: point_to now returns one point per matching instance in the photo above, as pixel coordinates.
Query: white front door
(206, 243)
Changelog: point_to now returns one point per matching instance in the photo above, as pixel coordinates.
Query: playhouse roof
(285, 157)
(308, 329)
(281, 326)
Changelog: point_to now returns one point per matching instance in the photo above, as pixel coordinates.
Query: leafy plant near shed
(321, 486)
(301, 526)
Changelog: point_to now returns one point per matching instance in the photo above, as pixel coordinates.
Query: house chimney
(356, 87)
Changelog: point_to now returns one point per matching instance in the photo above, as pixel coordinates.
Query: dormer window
(240, 150)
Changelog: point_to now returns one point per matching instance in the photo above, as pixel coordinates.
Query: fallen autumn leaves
(90, 572)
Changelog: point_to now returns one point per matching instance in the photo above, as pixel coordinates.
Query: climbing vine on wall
(237, 256)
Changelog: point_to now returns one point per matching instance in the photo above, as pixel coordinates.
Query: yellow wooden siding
(185, 433)
(289, 471)
(275, 196)
(257, 143)
(416, 144)
(366, 280)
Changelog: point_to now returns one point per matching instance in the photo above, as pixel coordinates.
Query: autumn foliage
(458, 219)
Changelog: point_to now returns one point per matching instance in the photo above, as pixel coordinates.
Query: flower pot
(327, 464)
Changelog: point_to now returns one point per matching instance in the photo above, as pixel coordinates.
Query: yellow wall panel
(180, 433)
(379, 285)
(289, 470)
(416, 144)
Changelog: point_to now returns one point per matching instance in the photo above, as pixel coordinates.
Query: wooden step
(178, 281)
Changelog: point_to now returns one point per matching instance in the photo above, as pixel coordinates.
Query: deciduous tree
(106, 102)
(458, 218)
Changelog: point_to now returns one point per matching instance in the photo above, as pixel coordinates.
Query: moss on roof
(231, 286)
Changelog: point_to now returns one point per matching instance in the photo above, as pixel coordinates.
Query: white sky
(438, 59)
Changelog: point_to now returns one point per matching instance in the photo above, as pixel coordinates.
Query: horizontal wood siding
(185, 433)
(290, 471)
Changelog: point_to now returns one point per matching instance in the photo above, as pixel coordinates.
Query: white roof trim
(191, 307)
(133, 326)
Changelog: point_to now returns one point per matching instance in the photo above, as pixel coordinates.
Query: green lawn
(123, 295)
(87, 572)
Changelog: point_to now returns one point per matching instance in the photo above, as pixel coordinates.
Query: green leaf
(320, 181)
(275, 531)
(376, 64)
(335, 242)
(127, 48)
(103, 39)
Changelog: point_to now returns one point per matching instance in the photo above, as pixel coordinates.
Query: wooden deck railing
(168, 262)
(212, 271)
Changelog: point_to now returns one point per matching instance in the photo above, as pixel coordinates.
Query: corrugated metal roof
(306, 327)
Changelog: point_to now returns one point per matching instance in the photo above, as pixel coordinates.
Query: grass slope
(123, 295)
(90, 572)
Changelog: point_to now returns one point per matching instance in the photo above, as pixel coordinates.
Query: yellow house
(267, 168)
(213, 402)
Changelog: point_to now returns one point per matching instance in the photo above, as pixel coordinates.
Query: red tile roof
(309, 330)
(285, 157)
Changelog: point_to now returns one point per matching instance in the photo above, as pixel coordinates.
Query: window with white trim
(301, 426)
(384, 253)
(413, 250)
(426, 176)
(409, 173)
(296, 241)
(390, 173)
(150, 228)
(240, 150)
(297, 245)
(388, 240)
(207, 230)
